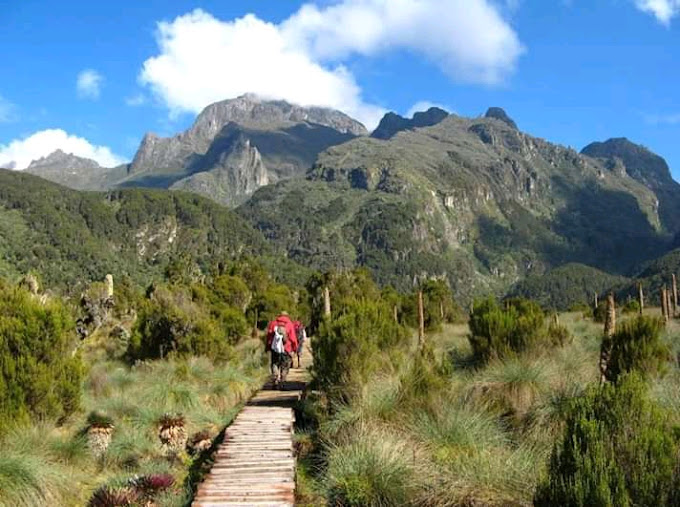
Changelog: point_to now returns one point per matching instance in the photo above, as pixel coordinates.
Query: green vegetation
(437, 426)
(71, 237)
(566, 285)
(637, 347)
(498, 332)
(617, 450)
(39, 374)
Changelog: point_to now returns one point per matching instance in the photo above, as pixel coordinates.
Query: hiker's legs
(275, 367)
(286, 363)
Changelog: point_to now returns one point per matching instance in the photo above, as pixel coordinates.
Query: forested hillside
(70, 237)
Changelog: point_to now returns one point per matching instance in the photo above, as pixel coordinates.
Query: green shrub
(632, 306)
(498, 332)
(617, 450)
(170, 322)
(348, 349)
(600, 313)
(637, 346)
(39, 375)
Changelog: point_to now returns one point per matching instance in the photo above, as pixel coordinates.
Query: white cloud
(7, 110)
(663, 10)
(424, 105)
(89, 84)
(662, 119)
(136, 100)
(19, 153)
(202, 59)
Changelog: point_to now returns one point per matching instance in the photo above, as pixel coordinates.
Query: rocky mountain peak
(640, 163)
(59, 159)
(392, 123)
(499, 114)
(247, 111)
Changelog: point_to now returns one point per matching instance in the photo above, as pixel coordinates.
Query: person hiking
(282, 343)
(301, 334)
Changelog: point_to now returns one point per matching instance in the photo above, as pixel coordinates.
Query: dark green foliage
(617, 451)
(631, 306)
(438, 304)
(39, 375)
(72, 238)
(345, 289)
(501, 331)
(564, 286)
(637, 346)
(598, 314)
(349, 348)
(170, 322)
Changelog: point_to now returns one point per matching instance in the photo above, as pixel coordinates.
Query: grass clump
(637, 346)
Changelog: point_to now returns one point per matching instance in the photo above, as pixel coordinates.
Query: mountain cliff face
(75, 172)
(637, 162)
(287, 138)
(475, 200)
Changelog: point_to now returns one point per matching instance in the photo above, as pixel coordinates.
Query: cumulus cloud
(89, 84)
(662, 10)
(19, 153)
(424, 105)
(303, 59)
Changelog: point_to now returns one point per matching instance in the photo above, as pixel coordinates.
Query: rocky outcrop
(249, 112)
(237, 173)
(499, 113)
(626, 158)
(392, 123)
(75, 172)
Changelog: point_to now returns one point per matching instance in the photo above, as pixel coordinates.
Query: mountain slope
(76, 172)
(71, 237)
(648, 168)
(472, 199)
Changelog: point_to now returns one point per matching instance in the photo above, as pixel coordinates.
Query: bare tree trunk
(109, 286)
(609, 330)
(641, 297)
(664, 304)
(669, 304)
(326, 302)
(675, 295)
(597, 303)
(396, 314)
(421, 320)
(441, 309)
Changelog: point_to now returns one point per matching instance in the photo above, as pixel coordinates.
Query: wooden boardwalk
(255, 465)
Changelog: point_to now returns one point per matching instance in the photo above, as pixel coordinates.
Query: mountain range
(474, 200)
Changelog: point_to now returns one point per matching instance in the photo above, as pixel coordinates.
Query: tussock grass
(44, 465)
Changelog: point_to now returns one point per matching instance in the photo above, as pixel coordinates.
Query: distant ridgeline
(472, 200)
(71, 238)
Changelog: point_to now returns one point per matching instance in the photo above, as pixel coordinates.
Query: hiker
(301, 334)
(282, 343)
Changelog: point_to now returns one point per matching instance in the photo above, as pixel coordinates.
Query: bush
(637, 346)
(616, 451)
(632, 306)
(348, 349)
(497, 332)
(170, 322)
(39, 375)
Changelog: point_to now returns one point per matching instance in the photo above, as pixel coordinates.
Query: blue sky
(93, 77)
